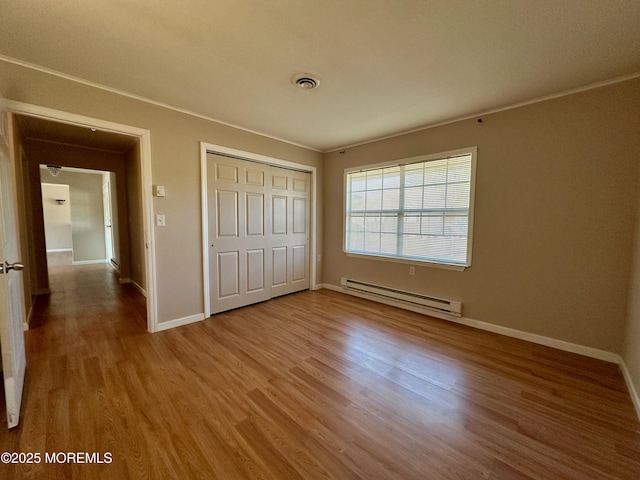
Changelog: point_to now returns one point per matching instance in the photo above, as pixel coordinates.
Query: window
(416, 210)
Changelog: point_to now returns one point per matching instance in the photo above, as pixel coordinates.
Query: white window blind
(417, 211)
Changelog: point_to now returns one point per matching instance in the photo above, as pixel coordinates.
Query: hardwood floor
(314, 385)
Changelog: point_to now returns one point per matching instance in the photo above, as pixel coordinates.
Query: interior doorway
(79, 225)
(43, 134)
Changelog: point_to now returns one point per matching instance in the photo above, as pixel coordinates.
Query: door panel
(227, 214)
(279, 267)
(278, 181)
(279, 215)
(300, 184)
(300, 215)
(227, 173)
(229, 274)
(255, 270)
(255, 214)
(299, 262)
(255, 177)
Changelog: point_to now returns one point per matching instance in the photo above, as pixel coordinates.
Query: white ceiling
(386, 66)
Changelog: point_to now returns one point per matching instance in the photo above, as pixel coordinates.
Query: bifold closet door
(240, 270)
(259, 222)
(290, 213)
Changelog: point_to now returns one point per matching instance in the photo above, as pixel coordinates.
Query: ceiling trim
(563, 93)
(140, 98)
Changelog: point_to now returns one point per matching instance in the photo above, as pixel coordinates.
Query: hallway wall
(87, 213)
(57, 216)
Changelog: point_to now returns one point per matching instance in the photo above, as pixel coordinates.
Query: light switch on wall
(159, 191)
(160, 221)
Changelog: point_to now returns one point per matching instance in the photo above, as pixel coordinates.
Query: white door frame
(145, 164)
(254, 157)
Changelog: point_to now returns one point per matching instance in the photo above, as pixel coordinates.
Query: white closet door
(290, 212)
(237, 194)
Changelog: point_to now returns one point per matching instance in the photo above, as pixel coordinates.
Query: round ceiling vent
(305, 81)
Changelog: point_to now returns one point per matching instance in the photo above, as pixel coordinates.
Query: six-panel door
(290, 231)
(238, 222)
(258, 231)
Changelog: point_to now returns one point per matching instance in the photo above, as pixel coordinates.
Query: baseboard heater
(440, 305)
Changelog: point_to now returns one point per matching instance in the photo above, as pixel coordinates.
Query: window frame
(404, 162)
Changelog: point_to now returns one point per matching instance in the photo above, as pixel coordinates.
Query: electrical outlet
(412, 270)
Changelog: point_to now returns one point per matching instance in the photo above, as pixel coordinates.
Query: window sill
(417, 263)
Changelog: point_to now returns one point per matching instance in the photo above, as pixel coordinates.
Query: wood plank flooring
(314, 385)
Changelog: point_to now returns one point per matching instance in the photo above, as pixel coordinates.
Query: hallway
(87, 294)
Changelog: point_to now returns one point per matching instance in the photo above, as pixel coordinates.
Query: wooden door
(12, 317)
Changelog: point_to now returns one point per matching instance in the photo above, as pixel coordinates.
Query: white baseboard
(139, 288)
(88, 262)
(59, 250)
(490, 327)
(319, 286)
(632, 389)
(542, 340)
(178, 322)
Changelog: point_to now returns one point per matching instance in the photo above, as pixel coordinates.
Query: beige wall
(556, 196)
(175, 150)
(57, 216)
